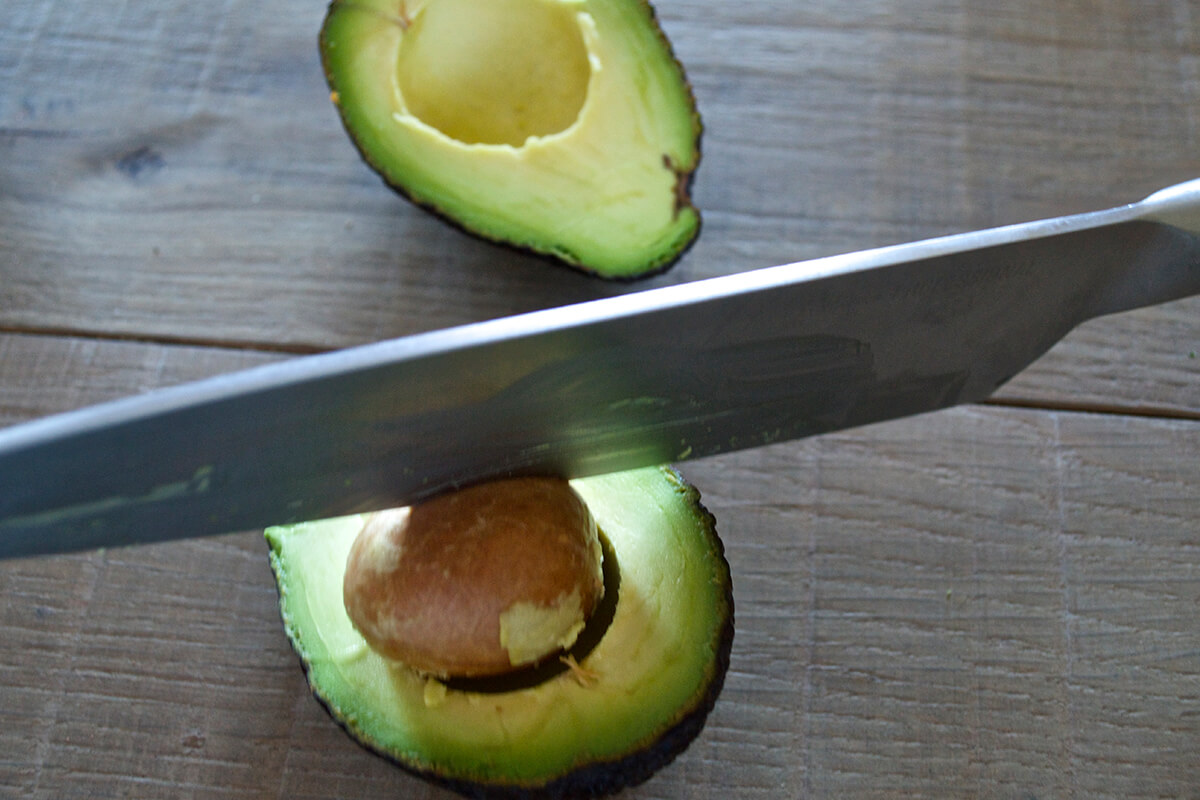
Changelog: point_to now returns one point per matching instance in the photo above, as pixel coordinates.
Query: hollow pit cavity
(494, 73)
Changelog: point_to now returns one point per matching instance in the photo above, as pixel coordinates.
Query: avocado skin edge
(567, 260)
(601, 778)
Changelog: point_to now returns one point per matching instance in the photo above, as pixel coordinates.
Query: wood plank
(160, 169)
(42, 375)
(962, 605)
(984, 601)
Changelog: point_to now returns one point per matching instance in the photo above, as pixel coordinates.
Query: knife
(657, 376)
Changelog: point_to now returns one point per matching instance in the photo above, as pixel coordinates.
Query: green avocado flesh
(565, 127)
(644, 690)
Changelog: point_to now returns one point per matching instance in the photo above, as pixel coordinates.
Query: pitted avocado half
(636, 689)
(565, 127)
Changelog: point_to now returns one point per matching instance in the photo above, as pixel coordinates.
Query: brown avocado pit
(571, 660)
(479, 581)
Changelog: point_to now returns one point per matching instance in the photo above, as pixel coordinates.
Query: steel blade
(651, 377)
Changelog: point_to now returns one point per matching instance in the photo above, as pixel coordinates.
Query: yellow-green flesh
(561, 126)
(653, 664)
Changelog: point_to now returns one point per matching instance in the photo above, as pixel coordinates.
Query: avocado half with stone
(565, 127)
(639, 683)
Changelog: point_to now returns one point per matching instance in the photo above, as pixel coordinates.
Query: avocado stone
(565, 127)
(642, 690)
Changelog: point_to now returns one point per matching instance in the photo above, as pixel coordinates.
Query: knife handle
(1177, 205)
(1165, 263)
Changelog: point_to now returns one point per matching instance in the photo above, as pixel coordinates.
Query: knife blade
(651, 377)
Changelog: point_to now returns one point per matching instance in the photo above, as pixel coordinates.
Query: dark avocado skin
(567, 260)
(603, 778)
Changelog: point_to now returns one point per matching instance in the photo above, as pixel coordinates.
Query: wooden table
(994, 601)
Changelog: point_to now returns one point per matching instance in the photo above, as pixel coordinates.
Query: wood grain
(970, 602)
(164, 190)
(995, 601)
